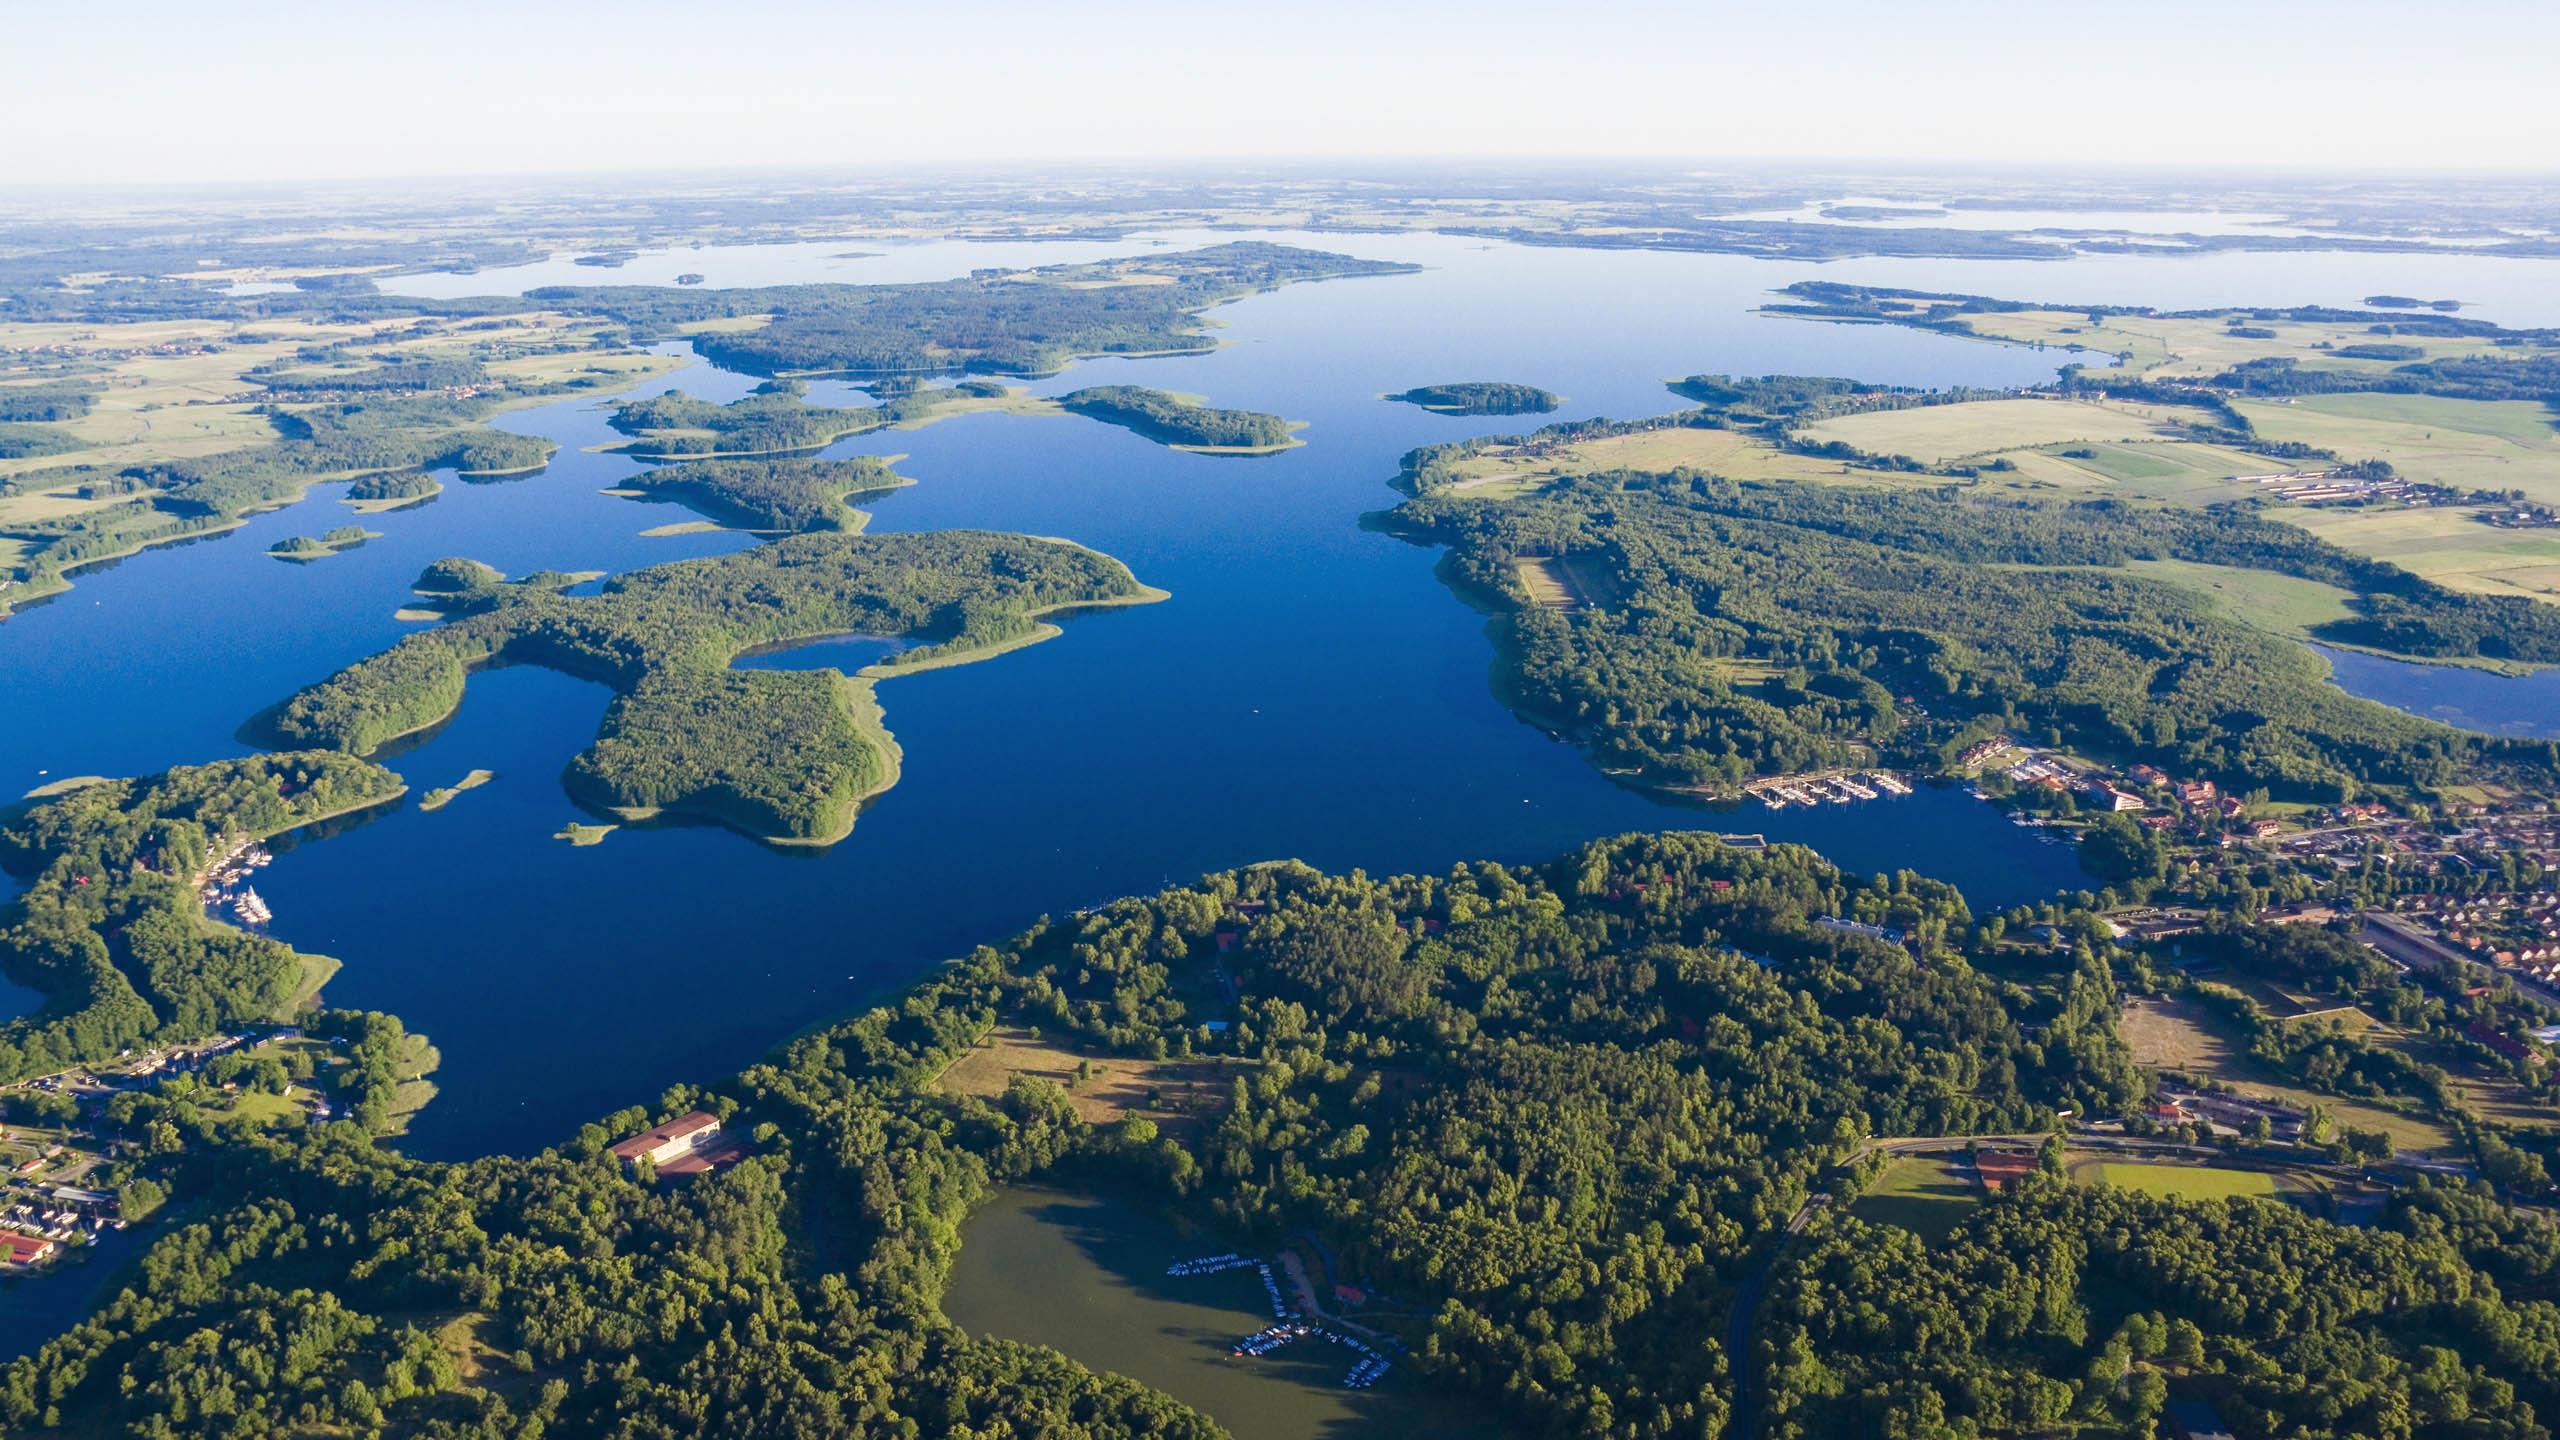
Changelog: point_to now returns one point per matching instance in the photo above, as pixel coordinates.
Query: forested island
(1566, 1115)
(1481, 397)
(782, 495)
(777, 418)
(1182, 422)
(787, 756)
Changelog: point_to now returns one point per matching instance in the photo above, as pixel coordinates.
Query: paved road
(2405, 941)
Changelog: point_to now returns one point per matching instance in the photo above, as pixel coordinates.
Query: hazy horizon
(152, 93)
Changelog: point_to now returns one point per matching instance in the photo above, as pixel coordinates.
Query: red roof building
(672, 1141)
(24, 1249)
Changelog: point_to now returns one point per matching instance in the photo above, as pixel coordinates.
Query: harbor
(1827, 787)
(224, 881)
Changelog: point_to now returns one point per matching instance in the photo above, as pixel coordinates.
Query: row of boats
(1209, 1264)
(1837, 789)
(1372, 1365)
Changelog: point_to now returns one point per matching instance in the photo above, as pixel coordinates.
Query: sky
(236, 90)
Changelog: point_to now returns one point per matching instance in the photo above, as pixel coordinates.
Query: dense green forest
(776, 418)
(781, 754)
(109, 927)
(2056, 1310)
(1481, 397)
(1029, 322)
(2011, 611)
(787, 495)
(1561, 1113)
(1170, 419)
(1559, 1122)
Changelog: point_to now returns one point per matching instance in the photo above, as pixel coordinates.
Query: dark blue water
(2523, 706)
(1310, 691)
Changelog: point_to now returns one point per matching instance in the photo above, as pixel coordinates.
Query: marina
(1826, 787)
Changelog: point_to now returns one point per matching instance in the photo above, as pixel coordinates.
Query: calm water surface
(2524, 706)
(1311, 690)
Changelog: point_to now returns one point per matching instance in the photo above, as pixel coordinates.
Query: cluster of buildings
(2476, 844)
(2511, 930)
(36, 1225)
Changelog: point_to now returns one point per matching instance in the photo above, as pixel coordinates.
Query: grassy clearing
(2189, 1182)
(1546, 581)
(2181, 1036)
(2466, 444)
(2281, 604)
(1923, 1194)
(1181, 1096)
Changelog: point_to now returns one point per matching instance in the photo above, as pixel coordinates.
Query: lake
(1310, 691)
(1085, 1276)
(2525, 707)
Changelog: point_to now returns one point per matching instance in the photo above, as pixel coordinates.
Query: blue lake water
(2526, 707)
(1310, 691)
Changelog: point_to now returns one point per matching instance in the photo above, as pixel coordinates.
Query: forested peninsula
(110, 928)
(1567, 1113)
(787, 756)
(1716, 630)
(790, 496)
(1026, 322)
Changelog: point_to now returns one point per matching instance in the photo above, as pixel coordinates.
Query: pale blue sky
(139, 90)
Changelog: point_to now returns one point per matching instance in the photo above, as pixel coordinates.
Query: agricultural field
(2162, 347)
(2443, 543)
(1984, 429)
(1928, 1195)
(174, 389)
(1515, 470)
(2464, 444)
(2176, 472)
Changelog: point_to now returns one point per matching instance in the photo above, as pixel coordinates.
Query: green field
(2444, 544)
(2465, 444)
(2281, 604)
(2189, 1182)
(1923, 1194)
(1939, 433)
(1086, 1276)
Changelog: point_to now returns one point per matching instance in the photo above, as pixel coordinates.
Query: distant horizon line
(1138, 166)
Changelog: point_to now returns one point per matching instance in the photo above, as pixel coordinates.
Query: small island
(690, 277)
(2407, 302)
(442, 795)
(1481, 397)
(1182, 422)
(306, 547)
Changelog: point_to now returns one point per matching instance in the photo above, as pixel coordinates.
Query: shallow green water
(1085, 1276)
